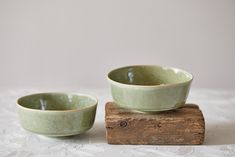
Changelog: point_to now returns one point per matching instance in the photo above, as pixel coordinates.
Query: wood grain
(185, 125)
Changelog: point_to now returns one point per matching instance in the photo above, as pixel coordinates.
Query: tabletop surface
(218, 107)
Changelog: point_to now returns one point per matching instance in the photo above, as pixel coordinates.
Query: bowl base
(151, 111)
(57, 135)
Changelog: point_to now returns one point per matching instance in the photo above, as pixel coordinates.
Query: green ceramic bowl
(57, 114)
(149, 88)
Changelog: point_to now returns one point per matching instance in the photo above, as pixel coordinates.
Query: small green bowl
(149, 88)
(57, 114)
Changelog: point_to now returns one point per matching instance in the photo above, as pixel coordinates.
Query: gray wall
(74, 43)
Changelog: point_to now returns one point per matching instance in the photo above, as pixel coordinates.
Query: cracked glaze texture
(57, 114)
(149, 88)
(217, 106)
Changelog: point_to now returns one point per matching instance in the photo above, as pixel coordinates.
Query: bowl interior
(149, 75)
(56, 101)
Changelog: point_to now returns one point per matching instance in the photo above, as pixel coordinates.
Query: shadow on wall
(220, 134)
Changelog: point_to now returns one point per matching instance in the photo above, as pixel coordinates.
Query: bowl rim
(59, 111)
(149, 86)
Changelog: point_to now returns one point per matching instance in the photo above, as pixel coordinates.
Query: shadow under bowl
(149, 88)
(57, 114)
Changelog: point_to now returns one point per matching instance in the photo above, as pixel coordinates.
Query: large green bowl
(149, 88)
(57, 114)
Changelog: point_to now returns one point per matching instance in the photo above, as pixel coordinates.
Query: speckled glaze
(57, 114)
(149, 88)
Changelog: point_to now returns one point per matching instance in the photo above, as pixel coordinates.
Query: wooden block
(185, 125)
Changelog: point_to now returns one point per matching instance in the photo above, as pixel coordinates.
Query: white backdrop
(73, 43)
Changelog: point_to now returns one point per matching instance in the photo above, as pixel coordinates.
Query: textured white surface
(218, 108)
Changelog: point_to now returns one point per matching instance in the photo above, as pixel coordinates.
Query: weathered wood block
(185, 125)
